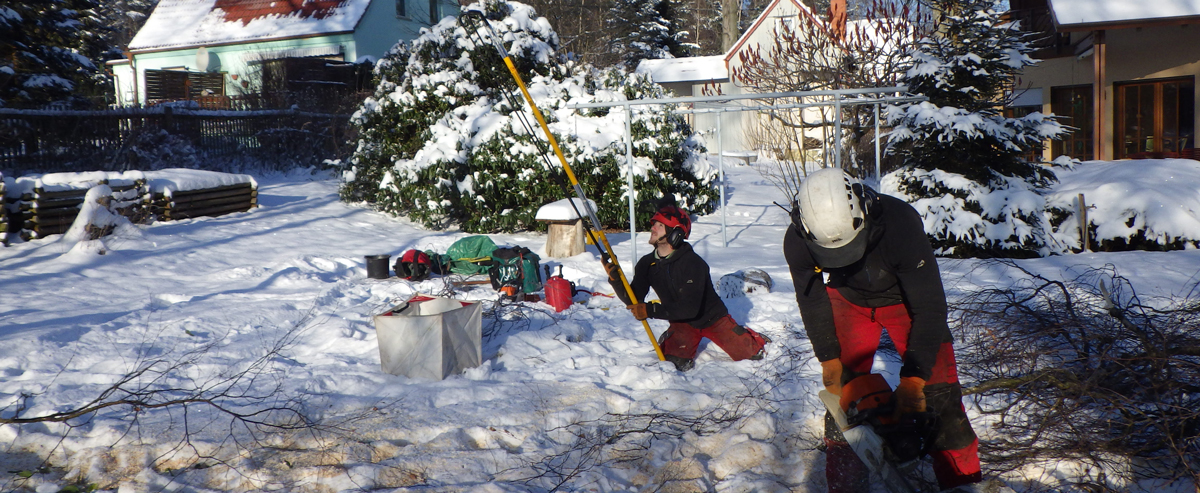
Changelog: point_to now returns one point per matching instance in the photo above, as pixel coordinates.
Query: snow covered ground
(220, 293)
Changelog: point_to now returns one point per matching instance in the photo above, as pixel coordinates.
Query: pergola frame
(837, 98)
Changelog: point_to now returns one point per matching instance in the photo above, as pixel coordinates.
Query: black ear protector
(868, 198)
(675, 237)
(798, 222)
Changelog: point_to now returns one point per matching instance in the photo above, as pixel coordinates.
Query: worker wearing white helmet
(881, 274)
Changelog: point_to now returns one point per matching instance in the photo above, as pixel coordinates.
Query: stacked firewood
(43, 205)
(48, 204)
(170, 205)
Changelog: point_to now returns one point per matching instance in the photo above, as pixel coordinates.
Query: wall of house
(232, 60)
(1133, 54)
(380, 28)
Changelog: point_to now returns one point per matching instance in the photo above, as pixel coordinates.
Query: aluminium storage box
(430, 337)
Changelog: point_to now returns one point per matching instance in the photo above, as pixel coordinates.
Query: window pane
(1146, 118)
(1187, 114)
(1073, 106)
(1170, 116)
(401, 11)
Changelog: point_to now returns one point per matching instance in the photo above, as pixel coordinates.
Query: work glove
(614, 280)
(909, 396)
(638, 310)
(614, 275)
(831, 375)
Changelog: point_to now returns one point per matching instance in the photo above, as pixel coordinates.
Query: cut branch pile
(1084, 370)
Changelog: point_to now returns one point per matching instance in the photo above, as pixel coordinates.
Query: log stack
(38, 206)
(183, 194)
(45, 205)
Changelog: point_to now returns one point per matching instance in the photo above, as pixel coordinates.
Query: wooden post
(1083, 223)
(564, 239)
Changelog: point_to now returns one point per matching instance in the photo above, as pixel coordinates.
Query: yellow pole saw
(474, 21)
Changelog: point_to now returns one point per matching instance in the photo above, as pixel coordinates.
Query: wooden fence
(47, 141)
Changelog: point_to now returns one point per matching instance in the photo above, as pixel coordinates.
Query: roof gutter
(232, 43)
(1127, 24)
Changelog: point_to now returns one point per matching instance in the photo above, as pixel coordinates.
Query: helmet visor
(833, 258)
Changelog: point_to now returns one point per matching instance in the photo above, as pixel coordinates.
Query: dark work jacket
(683, 285)
(898, 267)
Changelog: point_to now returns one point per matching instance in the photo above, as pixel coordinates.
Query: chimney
(837, 19)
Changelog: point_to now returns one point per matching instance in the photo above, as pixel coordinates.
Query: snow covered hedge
(440, 144)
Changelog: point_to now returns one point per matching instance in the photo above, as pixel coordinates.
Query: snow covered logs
(43, 205)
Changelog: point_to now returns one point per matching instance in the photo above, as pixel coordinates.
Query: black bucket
(377, 266)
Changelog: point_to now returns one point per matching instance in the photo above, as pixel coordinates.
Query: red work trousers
(955, 451)
(682, 339)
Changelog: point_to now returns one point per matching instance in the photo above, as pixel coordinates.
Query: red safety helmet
(677, 221)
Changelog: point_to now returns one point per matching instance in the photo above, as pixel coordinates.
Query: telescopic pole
(595, 231)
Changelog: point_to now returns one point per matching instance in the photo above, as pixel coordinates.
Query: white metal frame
(840, 98)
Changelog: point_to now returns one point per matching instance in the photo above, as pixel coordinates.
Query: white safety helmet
(830, 215)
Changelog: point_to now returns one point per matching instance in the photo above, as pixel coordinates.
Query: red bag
(414, 265)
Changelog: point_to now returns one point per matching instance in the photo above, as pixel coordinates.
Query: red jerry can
(559, 292)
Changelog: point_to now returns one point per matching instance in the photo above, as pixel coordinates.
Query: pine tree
(964, 168)
(48, 50)
(441, 144)
(649, 29)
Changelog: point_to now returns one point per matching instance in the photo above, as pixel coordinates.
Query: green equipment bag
(469, 256)
(517, 267)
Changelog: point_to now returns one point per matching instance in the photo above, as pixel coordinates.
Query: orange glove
(910, 396)
(638, 310)
(831, 375)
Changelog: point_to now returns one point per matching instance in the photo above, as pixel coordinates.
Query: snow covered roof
(698, 68)
(191, 23)
(1093, 13)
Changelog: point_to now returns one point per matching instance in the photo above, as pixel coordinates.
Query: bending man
(881, 274)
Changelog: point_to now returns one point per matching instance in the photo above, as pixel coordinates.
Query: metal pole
(721, 176)
(837, 132)
(633, 258)
(877, 155)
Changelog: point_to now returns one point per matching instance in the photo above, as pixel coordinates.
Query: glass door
(1155, 119)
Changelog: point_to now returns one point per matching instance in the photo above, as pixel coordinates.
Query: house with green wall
(218, 51)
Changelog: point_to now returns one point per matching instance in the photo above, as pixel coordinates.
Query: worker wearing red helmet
(686, 295)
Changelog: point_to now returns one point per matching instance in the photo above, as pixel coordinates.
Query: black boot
(681, 364)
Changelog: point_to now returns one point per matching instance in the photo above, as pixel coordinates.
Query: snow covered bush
(964, 165)
(440, 143)
(1151, 204)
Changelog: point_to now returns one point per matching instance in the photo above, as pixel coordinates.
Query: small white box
(430, 337)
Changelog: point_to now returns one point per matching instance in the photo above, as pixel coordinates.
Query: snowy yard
(288, 280)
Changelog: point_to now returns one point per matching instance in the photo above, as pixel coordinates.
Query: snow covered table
(565, 235)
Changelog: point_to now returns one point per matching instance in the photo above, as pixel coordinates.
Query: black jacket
(898, 267)
(684, 287)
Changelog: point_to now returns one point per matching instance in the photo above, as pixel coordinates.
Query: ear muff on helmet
(677, 222)
(675, 237)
